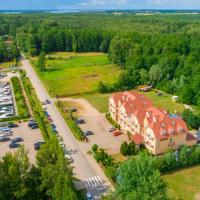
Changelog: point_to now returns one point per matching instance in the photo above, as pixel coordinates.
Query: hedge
(71, 122)
(22, 107)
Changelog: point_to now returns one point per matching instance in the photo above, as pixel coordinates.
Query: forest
(162, 50)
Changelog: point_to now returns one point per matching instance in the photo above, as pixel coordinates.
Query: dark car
(4, 139)
(37, 145)
(53, 126)
(73, 109)
(47, 101)
(80, 121)
(13, 145)
(34, 126)
(12, 125)
(86, 133)
(18, 139)
(31, 122)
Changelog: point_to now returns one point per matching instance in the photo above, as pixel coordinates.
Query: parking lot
(98, 124)
(30, 136)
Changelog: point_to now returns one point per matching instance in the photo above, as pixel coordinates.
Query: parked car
(89, 196)
(4, 139)
(86, 133)
(111, 129)
(12, 125)
(47, 101)
(34, 126)
(38, 145)
(13, 145)
(117, 133)
(80, 121)
(31, 122)
(18, 139)
(73, 110)
(7, 133)
(69, 158)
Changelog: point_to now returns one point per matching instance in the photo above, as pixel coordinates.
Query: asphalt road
(90, 174)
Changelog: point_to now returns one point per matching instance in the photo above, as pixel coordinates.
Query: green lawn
(6, 64)
(164, 101)
(99, 101)
(184, 184)
(74, 74)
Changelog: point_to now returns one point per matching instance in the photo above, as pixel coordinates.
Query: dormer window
(148, 114)
(163, 132)
(154, 119)
(172, 131)
(173, 122)
(163, 125)
(181, 129)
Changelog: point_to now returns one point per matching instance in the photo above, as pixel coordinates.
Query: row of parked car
(54, 130)
(6, 101)
(6, 132)
(34, 125)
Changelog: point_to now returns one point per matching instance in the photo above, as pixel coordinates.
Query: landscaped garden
(70, 74)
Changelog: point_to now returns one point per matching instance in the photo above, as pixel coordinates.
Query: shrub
(124, 148)
(94, 148)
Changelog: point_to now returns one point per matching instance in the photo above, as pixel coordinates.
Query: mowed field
(184, 184)
(70, 74)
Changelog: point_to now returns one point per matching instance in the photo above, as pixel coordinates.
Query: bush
(192, 120)
(128, 149)
(182, 158)
(94, 148)
(124, 148)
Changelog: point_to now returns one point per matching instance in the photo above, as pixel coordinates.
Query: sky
(98, 4)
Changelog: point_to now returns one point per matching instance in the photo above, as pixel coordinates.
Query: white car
(69, 158)
(111, 129)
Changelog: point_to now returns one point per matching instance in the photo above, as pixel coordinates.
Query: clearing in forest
(70, 74)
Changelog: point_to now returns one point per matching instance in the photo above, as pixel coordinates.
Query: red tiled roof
(158, 119)
(138, 139)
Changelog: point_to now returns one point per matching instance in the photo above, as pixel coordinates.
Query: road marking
(92, 182)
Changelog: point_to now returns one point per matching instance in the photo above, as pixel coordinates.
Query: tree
(140, 179)
(187, 95)
(155, 73)
(41, 62)
(102, 88)
(124, 148)
(17, 178)
(56, 173)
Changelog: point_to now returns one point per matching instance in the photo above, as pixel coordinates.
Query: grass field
(71, 74)
(184, 184)
(164, 101)
(6, 64)
(100, 101)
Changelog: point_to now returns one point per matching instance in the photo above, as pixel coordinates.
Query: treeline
(50, 178)
(62, 39)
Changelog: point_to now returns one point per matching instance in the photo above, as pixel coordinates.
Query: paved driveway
(97, 123)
